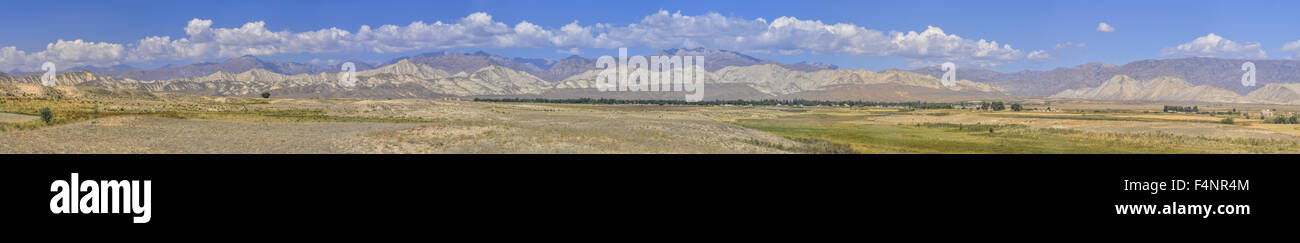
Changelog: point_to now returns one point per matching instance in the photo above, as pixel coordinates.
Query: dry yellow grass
(118, 121)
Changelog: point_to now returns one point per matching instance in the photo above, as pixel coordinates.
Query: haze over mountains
(730, 75)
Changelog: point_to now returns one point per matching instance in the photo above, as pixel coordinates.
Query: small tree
(1016, 107)
(46, 115)
(266, 95)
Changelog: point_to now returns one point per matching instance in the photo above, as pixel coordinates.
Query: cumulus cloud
(662, 29)
(64, 53)
(1213, 45)
(1039, 55)
(1293, 46)
(1104, 27)
(790, 35)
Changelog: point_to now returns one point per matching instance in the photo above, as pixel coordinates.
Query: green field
(1003, 138)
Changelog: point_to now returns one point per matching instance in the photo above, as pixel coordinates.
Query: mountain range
(1165, 88)
(408, 79)
(730, 75)
(545, 68)
(1216, 72)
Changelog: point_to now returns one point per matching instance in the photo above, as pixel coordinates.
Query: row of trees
(995, 106)
(766, 102)
(1170, 108)
(998, 106)
(1283, 120)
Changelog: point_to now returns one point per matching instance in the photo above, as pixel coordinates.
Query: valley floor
(174, 123)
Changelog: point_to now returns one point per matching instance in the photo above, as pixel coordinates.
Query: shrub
(1228, 121)
(46, 115)
(266, 95)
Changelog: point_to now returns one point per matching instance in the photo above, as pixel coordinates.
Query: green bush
(1228, 121)
(266, 95)
(46, 115)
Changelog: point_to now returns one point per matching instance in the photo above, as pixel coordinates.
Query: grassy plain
(93, 120)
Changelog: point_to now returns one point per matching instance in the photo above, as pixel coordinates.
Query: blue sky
(1143, 30)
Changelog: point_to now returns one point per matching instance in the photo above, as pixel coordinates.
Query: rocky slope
(1217, 72)
(1278, 93)
(715, 60)
(567, 67)
(466, 62)
(1122, 87)
(401, 79)
(407, 79)
(768, 81)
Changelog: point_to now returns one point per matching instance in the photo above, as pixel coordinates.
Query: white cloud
(318, 61)
(1039, 55)
(781, 36)
(1069, 44)
(1213, 45)
(1104, 27)
(570, 51)
(933, 45)
(64, 54)
(1292, 46)
(790, 35)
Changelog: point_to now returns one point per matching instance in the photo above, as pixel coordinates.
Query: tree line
(765, 102)
(1171, 108)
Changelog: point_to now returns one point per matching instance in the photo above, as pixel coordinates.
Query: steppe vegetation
(93, 120)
